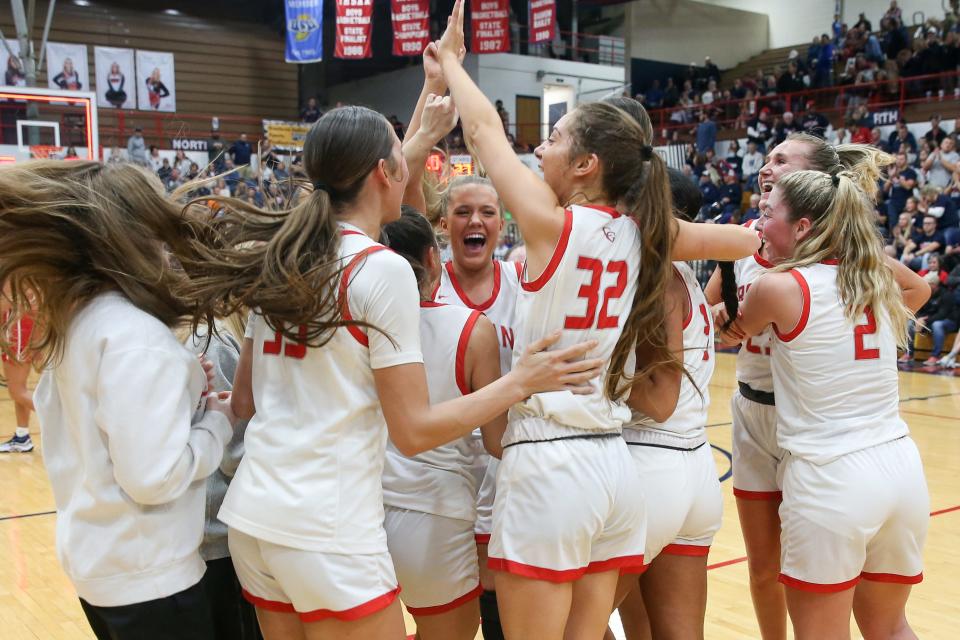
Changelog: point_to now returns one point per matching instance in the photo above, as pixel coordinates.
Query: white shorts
(684, 503)
(435, 559)
(864, 515)
(566, 508)
(485, 499)
(315, 585)
(755, 451)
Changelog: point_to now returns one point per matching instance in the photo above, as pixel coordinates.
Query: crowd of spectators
(867, 63)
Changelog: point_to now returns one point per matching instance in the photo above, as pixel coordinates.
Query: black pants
(182, 616)
(233, 617)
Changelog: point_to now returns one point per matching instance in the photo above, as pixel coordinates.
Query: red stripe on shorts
(894, 578)
(757, 495)
(626, 564)
(536, 573)
(269, 605)
(693, 550)
(482, 538)
(354, 613)
(450, 606)
(814, 587)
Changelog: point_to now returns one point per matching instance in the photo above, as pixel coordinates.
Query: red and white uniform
(429, 498)
(673, 458)
(500, 310)
(305, 508)
(855, 502)
(755, 451)
(18, 338)
(569, 500)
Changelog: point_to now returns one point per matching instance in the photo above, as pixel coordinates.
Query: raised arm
(438, 119)
(713, 242)
(528, 198)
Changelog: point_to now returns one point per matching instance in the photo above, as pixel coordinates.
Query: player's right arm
(241, 401)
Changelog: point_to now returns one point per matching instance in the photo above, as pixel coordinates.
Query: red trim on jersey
(354, 330)
(519, 267)
(430, 304)
(536, 573)
(626, 564)
(686, 321)
(763, 262)
(483, 306)
(558, 252)
(608, 210)
(351, 232)
(353, 613)
(460, 367)
(482, 538)
(689, 550)
(830, 261)
(757, 495)
(450, 606)
(893, 578)
(269, 605)
(814, 587)
(804, 314)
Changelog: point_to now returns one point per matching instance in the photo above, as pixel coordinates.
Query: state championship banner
(304, 20)
(354, 20)
(543, 20)
(411, 26)
(286, 136)
(490, 26)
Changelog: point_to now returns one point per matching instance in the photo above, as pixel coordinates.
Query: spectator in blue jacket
(706, 132)
(824, 68)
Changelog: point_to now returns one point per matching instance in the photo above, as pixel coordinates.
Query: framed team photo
(156, 89)
(116, 78)
(67, 67)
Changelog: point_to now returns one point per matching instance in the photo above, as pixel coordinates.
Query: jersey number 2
(591, 292)
(290, 349)
(868, 329)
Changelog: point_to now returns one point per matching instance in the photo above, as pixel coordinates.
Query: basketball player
(336, 365)
(568, 499)
(118, 390)
(755, 452)
(16, 369)
(667, 439)
(429, 498)
(855, 504)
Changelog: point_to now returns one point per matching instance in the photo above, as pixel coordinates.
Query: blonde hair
(864, 162)
(462, 181)
(843, 228)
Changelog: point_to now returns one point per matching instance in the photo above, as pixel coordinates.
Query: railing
(578, 47)
(897, 93)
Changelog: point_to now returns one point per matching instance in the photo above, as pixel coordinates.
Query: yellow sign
(461, 165)
(284, 135)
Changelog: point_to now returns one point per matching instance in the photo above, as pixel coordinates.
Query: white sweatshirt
(125, 464)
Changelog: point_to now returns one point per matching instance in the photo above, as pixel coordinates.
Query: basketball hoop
(46, 152)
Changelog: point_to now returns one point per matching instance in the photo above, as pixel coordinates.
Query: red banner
(543, 20)
(354, 20)
(490, 22)
(411, 26)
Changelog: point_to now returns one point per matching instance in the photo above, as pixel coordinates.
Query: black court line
(936, 395)
(27, 515)
(729, 457)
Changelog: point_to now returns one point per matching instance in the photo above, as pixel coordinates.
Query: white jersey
(499, 307)
(836, 381)
(587, 289)
(310, 478)
(438, 481)
(689, 420)
(753, 359)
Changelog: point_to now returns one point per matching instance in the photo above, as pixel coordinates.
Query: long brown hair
(70, 231)
(286, 264)
(843, 228)
(635, 176)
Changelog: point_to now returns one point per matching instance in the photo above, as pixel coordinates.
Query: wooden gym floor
(37, 601)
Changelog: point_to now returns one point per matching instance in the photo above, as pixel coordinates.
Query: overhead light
(171, 12)
(82, 3)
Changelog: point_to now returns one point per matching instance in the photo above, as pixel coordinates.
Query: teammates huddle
(524, 444)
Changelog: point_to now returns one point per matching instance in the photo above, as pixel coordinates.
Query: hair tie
(321, 186)
(836, 180)
(646, 152)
